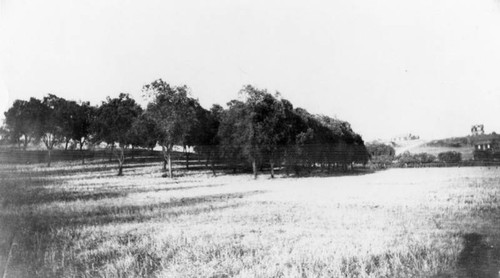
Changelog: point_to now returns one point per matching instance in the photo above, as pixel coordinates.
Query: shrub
(425, 158)
(380, 149)
(382, 161)
(450, 157)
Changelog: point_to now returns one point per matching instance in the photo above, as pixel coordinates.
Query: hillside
(435, 147)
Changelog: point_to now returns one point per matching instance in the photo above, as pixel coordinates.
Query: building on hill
(477, 130)
(405, 137)
(485, 142)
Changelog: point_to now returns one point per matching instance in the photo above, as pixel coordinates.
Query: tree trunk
(111, 153)
(254, 167)
(133, 156)
(207, 157)
(66, 146)
(49, 157)
(120, 168)
(81, 153)
(169, 158)
(272, 168)
(287, 163)
(213, 167)
(26, 140)
(121, 161)
(164, 151)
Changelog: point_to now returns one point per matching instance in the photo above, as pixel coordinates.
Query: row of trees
(257, 130)
(486, 155)
(52, 120)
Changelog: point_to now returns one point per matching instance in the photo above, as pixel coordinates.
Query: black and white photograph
(250, 139)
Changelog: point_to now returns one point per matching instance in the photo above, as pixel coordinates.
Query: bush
(485, 155)
(450, 157)
(382, 161)
(380, 149)
(425, 158)
(409, 159)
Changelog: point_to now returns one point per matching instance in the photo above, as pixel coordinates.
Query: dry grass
(83, 221)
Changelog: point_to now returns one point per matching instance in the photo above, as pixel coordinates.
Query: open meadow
(71, 220)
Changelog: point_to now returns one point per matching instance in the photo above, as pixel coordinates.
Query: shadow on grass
(326, 174)
(38, 233)
(40, 195)
(478, 259)
(313, 173)
(78, 169)
(102, 215)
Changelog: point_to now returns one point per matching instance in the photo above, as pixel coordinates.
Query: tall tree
(205, 134)
(174, 113)
(54, 123)
(24, 121)
(144, 132)
(254, 128)
(113, 122)
(234, 133)
(268, 119)
(82, 118)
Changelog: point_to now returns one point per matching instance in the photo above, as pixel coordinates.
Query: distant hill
(454, 142)
(464, 145)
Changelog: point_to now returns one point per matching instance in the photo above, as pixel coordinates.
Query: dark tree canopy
(378, 149)
(24, 121)
(114, 120)
(450, 157)
(264, 128)
(174, 113)
(259, 130)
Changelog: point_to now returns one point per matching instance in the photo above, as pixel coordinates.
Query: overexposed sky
(429, 67)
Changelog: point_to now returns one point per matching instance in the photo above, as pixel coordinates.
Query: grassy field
(83, 221)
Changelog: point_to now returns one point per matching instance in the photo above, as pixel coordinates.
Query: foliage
(426, 158)
(262, 127)
(382, 161)
(81, 121)
(174, 113)
(450, 157)
(204, 133)
(381, 155)
(486, 155)
(409, 159)
(114, 120)
(259, 129)
(144, 132)
(4, 136)
(23, 121)
(54, 123)
(380, 149)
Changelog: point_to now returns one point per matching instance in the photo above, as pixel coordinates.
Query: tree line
(257, 130)
(384, 155)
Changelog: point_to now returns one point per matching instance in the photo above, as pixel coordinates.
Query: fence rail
(16, 156)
